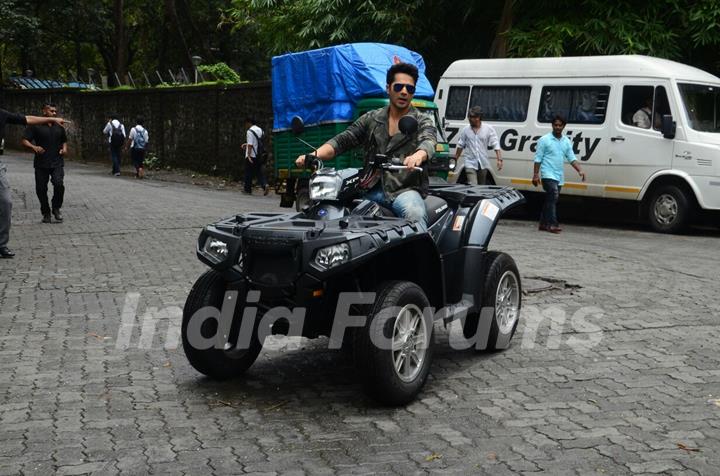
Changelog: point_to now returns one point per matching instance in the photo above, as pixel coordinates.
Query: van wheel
(501, 292)
(220, 364)
(393, 353)
(669, 209)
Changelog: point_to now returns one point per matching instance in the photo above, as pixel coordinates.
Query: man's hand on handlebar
(308, 161)
(415, 160)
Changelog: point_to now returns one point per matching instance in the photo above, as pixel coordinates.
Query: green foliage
(221, 72)
(152, 162)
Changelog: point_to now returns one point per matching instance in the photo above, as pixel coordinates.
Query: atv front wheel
(393, 352)
(502, 293)
(209, 290)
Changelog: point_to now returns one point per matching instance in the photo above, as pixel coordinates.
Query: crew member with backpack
(139, 139)
(255, 156)
(115, 132)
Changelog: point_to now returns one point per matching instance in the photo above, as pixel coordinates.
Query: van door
(637, 147)
(587, 110)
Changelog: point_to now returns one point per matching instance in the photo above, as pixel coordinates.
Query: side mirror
(297, 125)
(408, 125)
(668, 127)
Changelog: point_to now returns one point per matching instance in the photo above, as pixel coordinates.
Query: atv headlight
(218, 249)
(325, 187)
(333, 255)
(452, 164)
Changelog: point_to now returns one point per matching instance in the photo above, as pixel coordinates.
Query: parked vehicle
(340, 243)
(330, 88)
(671, 168)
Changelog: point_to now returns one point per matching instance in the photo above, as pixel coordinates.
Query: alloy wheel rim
(409, 343)
(507, 302)
(666, 209)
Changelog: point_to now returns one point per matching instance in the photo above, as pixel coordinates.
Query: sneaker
(58, 215)
(117, 174)
(266, 190)
(6, 253)
(554, 229)
(46, 219)
(141, 173)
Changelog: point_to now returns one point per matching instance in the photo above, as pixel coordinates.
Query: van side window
(579, 104)
(502, 103)
(644, 106)
(457, 102)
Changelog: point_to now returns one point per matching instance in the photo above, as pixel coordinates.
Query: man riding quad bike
(348, 268)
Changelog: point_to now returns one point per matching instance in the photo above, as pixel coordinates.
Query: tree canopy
(62, 38)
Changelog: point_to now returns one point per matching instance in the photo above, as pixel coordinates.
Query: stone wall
(194, 128)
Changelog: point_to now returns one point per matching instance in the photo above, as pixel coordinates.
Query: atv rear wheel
(209, 290)
(393, 353)
(501, 292)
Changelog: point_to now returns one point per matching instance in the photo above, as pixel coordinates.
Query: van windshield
(702, 105)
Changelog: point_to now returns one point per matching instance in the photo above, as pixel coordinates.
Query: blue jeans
(409, 205)
(115, 157)
(548, 217)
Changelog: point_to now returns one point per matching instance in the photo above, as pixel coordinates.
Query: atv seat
(435, 207)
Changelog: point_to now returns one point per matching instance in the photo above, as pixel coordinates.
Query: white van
(671, 167)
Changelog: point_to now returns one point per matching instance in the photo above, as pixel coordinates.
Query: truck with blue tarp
(329, 88)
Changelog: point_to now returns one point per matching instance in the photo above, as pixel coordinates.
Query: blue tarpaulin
(323, 86)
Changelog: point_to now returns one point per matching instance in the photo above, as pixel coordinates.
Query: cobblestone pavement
(621, 376)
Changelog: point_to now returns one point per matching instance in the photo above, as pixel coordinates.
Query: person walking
(254, 156)
(7, 117)
(553, 149)
(115, 132)
(49, 143)
(475, 139)
(138, 138)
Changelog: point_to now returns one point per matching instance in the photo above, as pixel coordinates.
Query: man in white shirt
(139, 138)
(254, 156)
(474, 142)
(642, 117)
(115, 132)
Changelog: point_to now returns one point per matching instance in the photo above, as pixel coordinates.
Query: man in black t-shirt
(5, 201)
(49, 142)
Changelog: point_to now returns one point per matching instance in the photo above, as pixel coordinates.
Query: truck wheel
(669, 210)
(302, 198)
(501, 292)
(209, 290)
(393, 353)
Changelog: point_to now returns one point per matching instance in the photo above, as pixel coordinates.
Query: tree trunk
(120, 60)
(499, 47)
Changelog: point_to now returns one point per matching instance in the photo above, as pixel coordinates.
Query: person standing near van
(475, 140)
(115, 132)
(49, 143)
(553, 149)
(254, 156)
(139, 139)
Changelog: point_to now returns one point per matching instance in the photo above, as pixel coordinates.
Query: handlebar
(312, 162)
(391, 163)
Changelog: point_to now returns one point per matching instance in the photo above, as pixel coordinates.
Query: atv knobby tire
(395, 374)
(502, 294)
(209, 290)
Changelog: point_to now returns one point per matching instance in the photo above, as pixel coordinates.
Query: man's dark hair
(140, 120)
(475, 111)
(48, 104)
(250, 120)
(561, 118)
(405, 68)
(113, 117)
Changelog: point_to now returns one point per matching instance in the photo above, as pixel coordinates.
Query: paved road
(615, 369)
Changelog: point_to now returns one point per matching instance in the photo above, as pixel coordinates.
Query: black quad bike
(266, 266)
